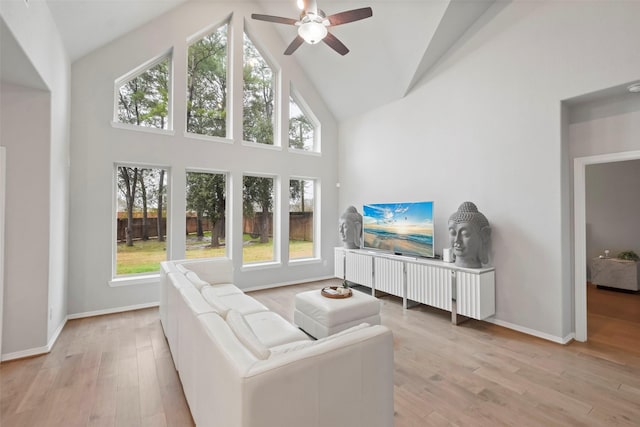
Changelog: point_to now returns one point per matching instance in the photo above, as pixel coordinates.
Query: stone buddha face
(350, 228)
(469, 234)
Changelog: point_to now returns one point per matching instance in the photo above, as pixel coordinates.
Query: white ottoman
(321, 316)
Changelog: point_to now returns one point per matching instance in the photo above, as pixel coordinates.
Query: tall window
(143, 99)
(257, 223)
(301, 218)
(141, 219)
(205, 216)
(302, 130)
(258, 100)
(207, 85)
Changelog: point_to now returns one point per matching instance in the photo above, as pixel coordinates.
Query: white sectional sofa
(242, 365)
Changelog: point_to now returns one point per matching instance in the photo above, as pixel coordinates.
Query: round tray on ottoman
(332, 292)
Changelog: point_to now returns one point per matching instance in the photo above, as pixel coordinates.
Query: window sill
(263, 146)
(305, 152)
(261, 265)
(208, 138)
(135, 280)
(304, 261)
(135, 128)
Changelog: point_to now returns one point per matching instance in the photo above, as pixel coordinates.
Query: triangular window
(302, 125)
(143, 96)
(258, 100)
(207, 84)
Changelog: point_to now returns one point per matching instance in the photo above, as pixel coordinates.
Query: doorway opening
(580, 232)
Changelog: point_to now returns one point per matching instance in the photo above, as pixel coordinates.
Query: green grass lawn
(202, 248)
(145, 256)
(142, 257)
(300, 249)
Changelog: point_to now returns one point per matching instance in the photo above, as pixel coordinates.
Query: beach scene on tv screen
(401, 228)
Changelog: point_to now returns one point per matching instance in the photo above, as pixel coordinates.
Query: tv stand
(465, 292)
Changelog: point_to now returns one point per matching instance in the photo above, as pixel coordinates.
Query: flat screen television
(400, 228)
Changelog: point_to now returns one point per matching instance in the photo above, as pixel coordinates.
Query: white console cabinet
(468, 292)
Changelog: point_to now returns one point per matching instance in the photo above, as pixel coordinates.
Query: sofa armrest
(343, 382)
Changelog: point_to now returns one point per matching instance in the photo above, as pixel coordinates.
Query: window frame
(137, 278)
(276, 228)
(227, 209)
(136, 72)
(277, 94)
(195, 38)
(316, 222)
(316, 149)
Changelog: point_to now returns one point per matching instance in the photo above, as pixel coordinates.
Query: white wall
(36, 274)
(603, 135)
(486, 126)
(27, 225)
(613, 207)
(97, 146)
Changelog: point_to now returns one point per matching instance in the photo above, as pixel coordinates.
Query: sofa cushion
(215, 301)
(197, 281)
(223, 289)
(298, 345)
(245, 335)
(272, 330)
(241, 302)
(290, 347)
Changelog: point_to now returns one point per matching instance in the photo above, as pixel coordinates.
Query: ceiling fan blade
(295, 44)
(335, 44)
(276, 19)
(350, 16)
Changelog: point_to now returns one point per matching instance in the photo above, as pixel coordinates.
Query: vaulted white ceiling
(389, 52)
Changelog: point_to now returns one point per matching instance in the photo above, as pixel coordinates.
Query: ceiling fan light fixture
(312, 32)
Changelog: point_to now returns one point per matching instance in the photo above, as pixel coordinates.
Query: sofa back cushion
(213, 271)
(215, 301)
(182, 269)
(195, 279)
(245, 335)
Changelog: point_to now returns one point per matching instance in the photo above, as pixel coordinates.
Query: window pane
(257, 102)
(144, 100)
(301, 221)
(257, 222)
(301, 129)
(141, 219)
(205, 216)
(207, 85)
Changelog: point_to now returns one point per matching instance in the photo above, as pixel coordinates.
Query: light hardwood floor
(614, 319)
(113, 370)
(116, 370)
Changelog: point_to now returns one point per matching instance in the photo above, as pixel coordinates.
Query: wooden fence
(300, 226)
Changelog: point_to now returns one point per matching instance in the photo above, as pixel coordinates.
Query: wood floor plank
(149, 388)
(104, 408)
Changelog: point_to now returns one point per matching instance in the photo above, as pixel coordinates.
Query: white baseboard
(295, 282)
(529, 331)
(112, 310)
(26, 353)
(37, 350)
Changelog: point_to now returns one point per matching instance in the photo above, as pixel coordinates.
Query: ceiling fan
(313, 24)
